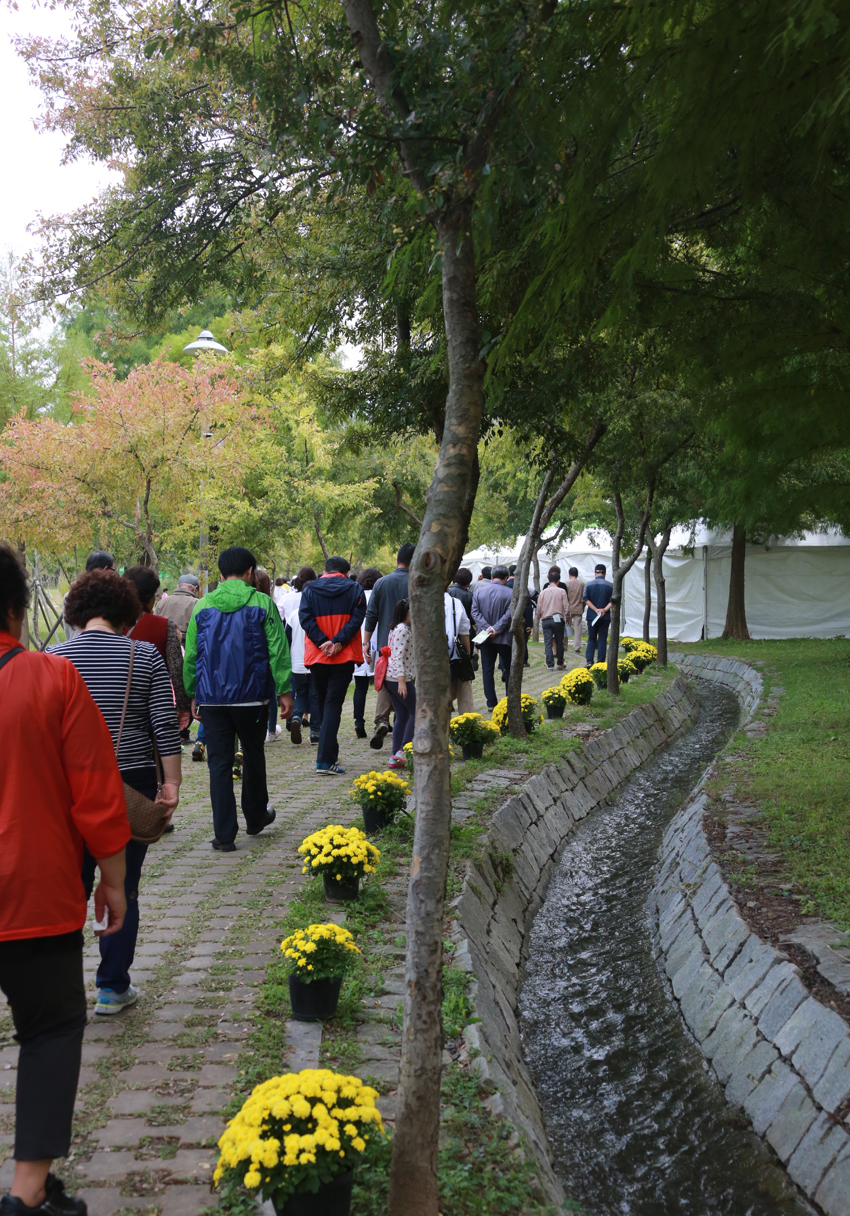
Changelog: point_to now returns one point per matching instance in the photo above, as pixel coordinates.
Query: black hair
(102, 593)
(369, 577)
(14, 585)
(236, 560)
(512, 569)
(405, 554)
(486, 571)
(499, 572)
(99, 560)
(554, 575)
(600, 569)
(145, 582)
(463, 577)
(400, 612)
(306, 575)
(573, 572)
(337, 565)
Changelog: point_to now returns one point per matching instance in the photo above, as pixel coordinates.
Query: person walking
(553, 609)
(181, 603)
(99, 559)
(575, 595)
(400, 682)
(385, 595)
(60, 789)
(460, 590)
(597, 597)
(458, 630)
(102, 605)
(491, 612)
(331, 612)
(306, 711)
(264, 585)
(363, 671)
(162, 632)
(237, 659)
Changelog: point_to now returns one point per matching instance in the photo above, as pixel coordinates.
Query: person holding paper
(553, 609)
(597, 596)
(491, 612)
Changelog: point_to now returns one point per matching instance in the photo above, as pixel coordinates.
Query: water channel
(637, 1125)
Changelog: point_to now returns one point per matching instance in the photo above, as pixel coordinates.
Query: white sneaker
(273, 736)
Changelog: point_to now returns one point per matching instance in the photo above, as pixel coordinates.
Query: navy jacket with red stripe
(332, 610)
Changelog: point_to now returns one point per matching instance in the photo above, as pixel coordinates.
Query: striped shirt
(103, 659)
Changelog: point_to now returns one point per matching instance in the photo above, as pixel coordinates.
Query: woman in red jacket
(59, 786)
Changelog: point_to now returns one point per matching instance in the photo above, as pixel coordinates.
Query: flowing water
(636, 1123)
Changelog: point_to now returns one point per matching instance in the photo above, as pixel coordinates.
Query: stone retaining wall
(780, 1055)
(502, 894)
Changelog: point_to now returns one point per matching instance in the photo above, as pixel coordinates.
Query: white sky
(34, 180)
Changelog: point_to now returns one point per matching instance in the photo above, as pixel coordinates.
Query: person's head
(554, 575)
(573, 572)
(100, 560)
(105, 594)
(262, 582)
(146, 584)
(337, 565)
(306, 575)
(369, 577)
(500, 574)
(189, 582)
(486, 572)
(237, 562)
(405, 555)
(463, 577)
(600, 569)
(295, 583)
(401, 613)
(278, 582)
(512, 570)
(14, 590)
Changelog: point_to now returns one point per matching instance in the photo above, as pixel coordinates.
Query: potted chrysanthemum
(342, 856)
(318, 959)
(297, 1141)
(530, 714)
(471, 731)
(555, 701)
(381, 797)
(578, 685)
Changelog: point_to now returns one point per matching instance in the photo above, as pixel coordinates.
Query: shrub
(640, 653)
(577, 686)
(554, 696)
(599, 672)
(470, 728)
(530, 715)
(382, 791)
(319, 952)
(340, 852)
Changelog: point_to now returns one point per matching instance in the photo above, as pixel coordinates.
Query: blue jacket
(598, 592)
(236, 648)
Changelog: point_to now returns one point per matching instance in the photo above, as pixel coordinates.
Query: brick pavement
(155, 1079)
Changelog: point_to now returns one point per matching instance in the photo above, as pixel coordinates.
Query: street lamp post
(204, 341)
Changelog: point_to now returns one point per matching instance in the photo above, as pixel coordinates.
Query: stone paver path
(156, 1078)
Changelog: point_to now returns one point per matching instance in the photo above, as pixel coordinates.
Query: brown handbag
(147, 818)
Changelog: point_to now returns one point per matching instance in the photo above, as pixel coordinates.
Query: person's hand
(195, 711)
(183, 720)
(327, 648)
(402, 689)
(168, 795)
(287, 705)
(115, 900)
(491, 631)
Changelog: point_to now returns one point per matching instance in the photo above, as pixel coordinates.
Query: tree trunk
(736, 613)
(535, 566)
(619, 570)
(657, 551)
(25, 628)
(647, 593)
(413, 1175)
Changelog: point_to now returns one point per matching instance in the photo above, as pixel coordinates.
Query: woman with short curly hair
(102, 605)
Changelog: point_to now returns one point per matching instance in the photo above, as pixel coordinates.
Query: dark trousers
(332, 681)
(597, 639)
(361, 688)
(119, 949)
(42, 978)
(306, 700)
(490, 652)
(553, 639)
(222, 723)
(405, 713)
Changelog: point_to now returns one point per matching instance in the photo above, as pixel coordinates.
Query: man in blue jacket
(491, 611)
(237, 658)
(386, 593)
(597, 596)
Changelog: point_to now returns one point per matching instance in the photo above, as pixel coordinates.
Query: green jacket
(236, 648)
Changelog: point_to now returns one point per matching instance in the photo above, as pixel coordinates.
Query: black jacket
(385, 595)
(464, 595)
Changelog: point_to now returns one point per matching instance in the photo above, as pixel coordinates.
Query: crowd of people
(102, 718)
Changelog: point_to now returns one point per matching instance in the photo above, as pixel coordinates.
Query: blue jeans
(332, 681)
(405, 713)
(597, 638)
(119, 949)
(306, 699)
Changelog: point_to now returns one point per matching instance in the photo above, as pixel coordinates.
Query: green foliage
(456, 1008)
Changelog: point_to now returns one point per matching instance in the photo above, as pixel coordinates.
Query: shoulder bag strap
(9, 655)
(126, 697)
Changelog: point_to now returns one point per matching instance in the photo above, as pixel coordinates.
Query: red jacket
(151, 628)
(59, 786)
(332, 610)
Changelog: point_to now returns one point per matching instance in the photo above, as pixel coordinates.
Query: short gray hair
(188, 580)
(499, 572)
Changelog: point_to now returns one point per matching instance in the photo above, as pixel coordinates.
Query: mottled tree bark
(647, 593)
(657, 549)
(736, 612)
(619, 570)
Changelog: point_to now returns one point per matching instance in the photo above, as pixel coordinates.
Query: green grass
(799, 773)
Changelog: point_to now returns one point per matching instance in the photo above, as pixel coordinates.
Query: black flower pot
(375, 818)
(316, 1001)
(331, 1199)
(340, 890)
(473, 751)
(555, 711)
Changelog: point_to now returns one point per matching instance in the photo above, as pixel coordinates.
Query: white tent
(793, 588)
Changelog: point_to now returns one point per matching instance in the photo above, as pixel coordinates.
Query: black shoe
(199, 752)
(55, 1203)
(237, 765)
(271, 815)
(295, 729)
(223, 846)
(314, 739)
(377, 740)
(360, 729)
(169, 827)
